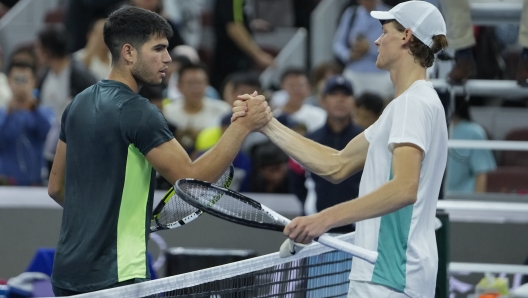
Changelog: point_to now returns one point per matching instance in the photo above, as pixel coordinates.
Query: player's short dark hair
(371, 102)
(54, 40)
(245, 78)
(135, 26)
(192, 66)
(21, 64)
(421, 52)
(293, 71)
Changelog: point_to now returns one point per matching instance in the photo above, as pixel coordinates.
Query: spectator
(354, 47)
(241, 83)
(320, 74)
(467, 168)
(5, 92)
(270, 171)
(235, 49)
(80, 14)
(157, 7)
(338, 131)
(95, 55)
(63, 77)
(24, 125)
(369, 107)
(196, 111)
(182, 55)
(25, 53)
(296, 84)
(462, 39)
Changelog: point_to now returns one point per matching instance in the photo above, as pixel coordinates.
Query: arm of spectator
(56, 178)
(481, 181)
(341, 45)
(238, 33)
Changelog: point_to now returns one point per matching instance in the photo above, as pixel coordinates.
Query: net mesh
(176, 208)
(316, 271)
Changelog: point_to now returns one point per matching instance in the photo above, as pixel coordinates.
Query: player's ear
(407, 35)
(128, 52)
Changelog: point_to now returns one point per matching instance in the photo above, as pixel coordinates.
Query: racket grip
(362, 253)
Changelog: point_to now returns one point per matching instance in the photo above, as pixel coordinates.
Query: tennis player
(111, 139)
(403, 156)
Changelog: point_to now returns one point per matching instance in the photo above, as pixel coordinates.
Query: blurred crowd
(330, 103)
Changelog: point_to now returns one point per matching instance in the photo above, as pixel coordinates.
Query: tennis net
(316, 271)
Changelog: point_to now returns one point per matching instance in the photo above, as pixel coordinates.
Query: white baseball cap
(423, 18)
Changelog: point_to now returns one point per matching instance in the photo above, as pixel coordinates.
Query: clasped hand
(254, 108)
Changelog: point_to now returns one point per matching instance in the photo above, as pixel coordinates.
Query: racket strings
(227, 204)
(177, 209)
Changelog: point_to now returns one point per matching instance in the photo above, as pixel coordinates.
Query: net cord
(212, 274)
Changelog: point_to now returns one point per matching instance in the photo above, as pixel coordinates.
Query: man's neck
(405, 73)
(292, 106)
(337, 125)
(122, 75)
(59, 64)
(192, 106)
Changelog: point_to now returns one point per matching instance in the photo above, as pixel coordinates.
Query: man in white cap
(403, 156)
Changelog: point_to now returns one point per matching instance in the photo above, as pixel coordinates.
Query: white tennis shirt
(405, 239)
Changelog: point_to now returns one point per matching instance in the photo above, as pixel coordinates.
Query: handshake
(252, 110)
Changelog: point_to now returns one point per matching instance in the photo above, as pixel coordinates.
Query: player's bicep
(406, 166)
(170, 160)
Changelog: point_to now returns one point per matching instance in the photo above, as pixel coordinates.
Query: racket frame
(185, 220)
(365, 254)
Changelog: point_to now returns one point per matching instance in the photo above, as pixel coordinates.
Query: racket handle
(362, 253)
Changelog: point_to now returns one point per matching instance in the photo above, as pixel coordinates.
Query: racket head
(172, 212)
(228, 204)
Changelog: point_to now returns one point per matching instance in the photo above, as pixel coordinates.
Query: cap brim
(382, 15)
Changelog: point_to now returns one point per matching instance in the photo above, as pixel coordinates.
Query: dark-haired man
(62, 78)
(111, 140)
(24, 125)
(369, 107)
(403, 156)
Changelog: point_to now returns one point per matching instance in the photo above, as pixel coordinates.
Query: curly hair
(421, 52)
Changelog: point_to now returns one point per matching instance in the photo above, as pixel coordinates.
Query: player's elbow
(56, 193)
(409, 195)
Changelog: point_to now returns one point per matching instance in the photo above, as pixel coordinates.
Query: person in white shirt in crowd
(95, 55)
(62, 78)
(194, 111)
(295, 83)
(403, 156)
(354, 47)
(5, 91)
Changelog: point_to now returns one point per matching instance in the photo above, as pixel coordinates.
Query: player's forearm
(388, 198)
(212, 164)
(321, 160)
(238, 33)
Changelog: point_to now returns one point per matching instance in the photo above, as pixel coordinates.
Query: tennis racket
(173, 212)
(237, 208)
